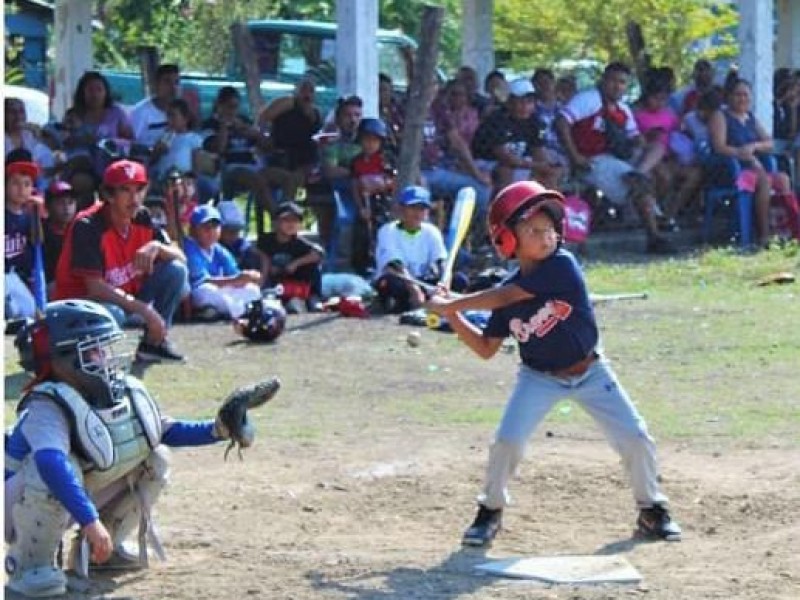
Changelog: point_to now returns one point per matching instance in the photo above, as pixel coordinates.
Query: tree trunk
(148, 63)
(420, 95)
(243, 43)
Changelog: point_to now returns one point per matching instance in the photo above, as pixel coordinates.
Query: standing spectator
(292, 261)
(220, 289)
(61, 205)
(21, 173)
(114, 256)
(149, 116)
(408, 247)
(786, 111)
(509, 140)
(735, 132)
(601, 138)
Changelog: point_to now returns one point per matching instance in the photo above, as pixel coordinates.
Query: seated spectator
(100, 119)
(292, 122)
(735, 132)
(21, 173)
(685, 100)
(566, 88)
(547, 108)
(495, 87)
(178, 146)
(239, 144)
(112, 254)
(468, 77)
(290, 260)
(156, 207)
(786, 111)
(233, 238)
(20, 134)
(410, 247)
(149, 116)
(599, 133)
(660, 127)
(61, 207)
(391, 112)
(509, 141)
(219, 288)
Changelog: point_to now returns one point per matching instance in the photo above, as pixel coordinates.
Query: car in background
(37, 103)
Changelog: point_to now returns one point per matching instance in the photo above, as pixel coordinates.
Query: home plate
(565, 569)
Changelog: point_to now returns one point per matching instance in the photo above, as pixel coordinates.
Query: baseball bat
(603, 298)
(460, 220)
(39, 284)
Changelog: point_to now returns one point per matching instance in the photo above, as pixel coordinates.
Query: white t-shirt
(148, 121)
(418, 250)
(179, 154)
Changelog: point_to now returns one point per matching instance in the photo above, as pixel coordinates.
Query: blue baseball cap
(205, 213)
(415, 195)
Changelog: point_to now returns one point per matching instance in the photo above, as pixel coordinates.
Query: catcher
(90, 447)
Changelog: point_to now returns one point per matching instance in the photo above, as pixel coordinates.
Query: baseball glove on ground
(232, 422)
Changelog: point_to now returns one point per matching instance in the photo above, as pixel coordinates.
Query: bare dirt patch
(363, 476)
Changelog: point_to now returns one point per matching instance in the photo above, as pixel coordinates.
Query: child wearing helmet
(545, 306)
(88, 448)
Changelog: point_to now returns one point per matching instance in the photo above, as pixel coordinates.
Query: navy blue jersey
(556, 328)
(18, 251)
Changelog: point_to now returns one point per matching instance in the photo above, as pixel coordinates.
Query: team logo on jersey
(541, 323)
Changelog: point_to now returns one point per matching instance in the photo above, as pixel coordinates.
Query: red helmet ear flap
(40, 344)
(505, 242)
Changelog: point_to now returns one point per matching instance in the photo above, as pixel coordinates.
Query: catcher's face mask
(103, 363)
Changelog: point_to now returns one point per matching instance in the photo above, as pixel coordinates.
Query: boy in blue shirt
(545, 305)
(219, 288)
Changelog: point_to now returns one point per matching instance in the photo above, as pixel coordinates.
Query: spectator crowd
(144, 211)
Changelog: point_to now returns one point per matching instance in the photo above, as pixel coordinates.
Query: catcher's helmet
(83, 339)
(372, 126)
(516, 201)
(263, 320)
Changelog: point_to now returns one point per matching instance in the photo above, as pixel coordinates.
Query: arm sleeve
(189, 433)
(228, 262)
(198, 269)
(58, 474)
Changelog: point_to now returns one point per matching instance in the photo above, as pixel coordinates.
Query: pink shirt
(664, 119)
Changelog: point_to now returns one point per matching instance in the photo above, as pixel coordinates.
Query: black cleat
(655, 523)
(484, 528)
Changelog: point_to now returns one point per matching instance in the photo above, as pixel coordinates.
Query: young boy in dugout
(61, 205)
(545, 306)
(292, 261)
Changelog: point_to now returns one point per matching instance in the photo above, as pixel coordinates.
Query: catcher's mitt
(232, 422)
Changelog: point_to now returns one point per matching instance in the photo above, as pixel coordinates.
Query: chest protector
(111, 441)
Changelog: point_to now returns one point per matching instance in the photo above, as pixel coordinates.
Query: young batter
(545, 306)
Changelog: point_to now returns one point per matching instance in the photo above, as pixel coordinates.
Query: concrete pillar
(478, 48)
(72, 33)
(787, 53)
(756, 58)
(357, 52)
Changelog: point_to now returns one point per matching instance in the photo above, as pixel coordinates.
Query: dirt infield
(364, 471)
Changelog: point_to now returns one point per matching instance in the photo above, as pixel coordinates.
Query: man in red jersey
(112, 254)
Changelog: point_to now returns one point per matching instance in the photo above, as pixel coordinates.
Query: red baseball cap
(125, 172)
(23, 167)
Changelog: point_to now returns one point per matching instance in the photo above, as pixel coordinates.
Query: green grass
(709, 357)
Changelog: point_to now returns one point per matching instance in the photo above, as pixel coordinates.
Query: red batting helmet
(518, 201)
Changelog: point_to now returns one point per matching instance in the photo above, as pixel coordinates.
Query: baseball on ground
(413, 339)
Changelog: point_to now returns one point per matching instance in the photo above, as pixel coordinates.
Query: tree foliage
(528, 33)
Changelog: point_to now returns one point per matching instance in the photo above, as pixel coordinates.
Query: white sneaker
(42, 582)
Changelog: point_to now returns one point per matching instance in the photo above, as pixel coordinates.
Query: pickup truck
(285, 52)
